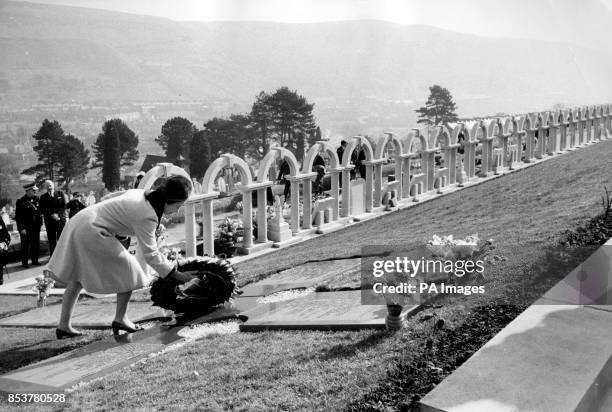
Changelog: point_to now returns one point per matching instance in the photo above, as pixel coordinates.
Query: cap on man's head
(140, 174)
(342, 142)
(30, 186)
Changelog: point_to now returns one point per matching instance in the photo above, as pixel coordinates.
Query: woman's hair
(175, 189)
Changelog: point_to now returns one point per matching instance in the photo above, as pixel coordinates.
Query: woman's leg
(123, 299)
(69, 299)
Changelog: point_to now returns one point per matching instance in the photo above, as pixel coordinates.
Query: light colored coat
(89, 253)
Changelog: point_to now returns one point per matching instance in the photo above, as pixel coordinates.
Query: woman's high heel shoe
(120, 326)
(61, 334)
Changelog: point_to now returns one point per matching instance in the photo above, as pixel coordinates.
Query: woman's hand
(182, 277)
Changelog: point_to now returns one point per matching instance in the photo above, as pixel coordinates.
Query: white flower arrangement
(453, 249)
(471, 248)
(43, 284)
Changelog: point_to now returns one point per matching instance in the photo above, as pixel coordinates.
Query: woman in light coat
(89, 253)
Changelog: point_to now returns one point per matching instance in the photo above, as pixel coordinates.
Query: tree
(9, 178)
(218, 133)
(285, 117)
(439, 108)
(128, 143)
(235, 135)
(262, 118)
(292, 116)
(114, 147)
(49, 138)
(111, 165)
(200, 155)
(242, 139)
(175, 138)
(75, 161)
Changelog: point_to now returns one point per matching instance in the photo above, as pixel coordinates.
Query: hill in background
(349, 69)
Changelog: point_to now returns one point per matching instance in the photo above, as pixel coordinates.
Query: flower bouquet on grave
(396, 297)
(43, 284)
(471, 248)
(213, 285)
(230, 232)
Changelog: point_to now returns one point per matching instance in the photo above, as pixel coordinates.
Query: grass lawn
(524, 212)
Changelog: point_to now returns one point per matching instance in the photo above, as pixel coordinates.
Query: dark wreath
(214, 285)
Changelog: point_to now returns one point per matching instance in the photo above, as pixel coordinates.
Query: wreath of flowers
(213, 285)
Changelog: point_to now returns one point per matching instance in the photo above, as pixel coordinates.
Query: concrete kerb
(556, 355)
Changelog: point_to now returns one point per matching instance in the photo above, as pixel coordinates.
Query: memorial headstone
(320, 311)
(278, 229)
(94, 316)
(303, 276)
(357, 197)
(89, 362)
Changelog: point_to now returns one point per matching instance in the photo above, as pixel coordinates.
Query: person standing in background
(340, 150)
(53, 208)
(91, 199)
(29, 220)
(76, 204)
(5, 241)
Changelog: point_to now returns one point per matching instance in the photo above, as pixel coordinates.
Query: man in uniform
(29, 220)
(53, 208)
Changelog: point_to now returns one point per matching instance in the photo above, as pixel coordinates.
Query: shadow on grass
(46, 348)
(19, 357)
(344, 351)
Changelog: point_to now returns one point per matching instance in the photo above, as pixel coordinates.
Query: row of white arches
(503, 142)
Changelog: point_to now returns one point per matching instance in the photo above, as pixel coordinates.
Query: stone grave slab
(93, 316)
(301, 277)
(550, 358)
(225, 312)
(588, 284)
(321, 311)
(24, 287)
(92, 361)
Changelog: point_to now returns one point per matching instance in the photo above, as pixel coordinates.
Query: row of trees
(62, 157)
(283, 117)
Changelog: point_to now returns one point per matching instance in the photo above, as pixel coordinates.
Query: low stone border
(555, 356)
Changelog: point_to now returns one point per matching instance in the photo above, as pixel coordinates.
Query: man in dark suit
(53, 208)
(340, 150)
(29, 220)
